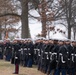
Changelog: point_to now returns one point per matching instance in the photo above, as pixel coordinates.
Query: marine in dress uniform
(25, 54)
(35, 52)
(70, 66)
(8, 50)
(30, 49)
(1, 49)
(17, 62)
(62, 59)
(51, 46)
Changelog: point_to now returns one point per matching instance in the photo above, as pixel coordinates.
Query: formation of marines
(52, 56)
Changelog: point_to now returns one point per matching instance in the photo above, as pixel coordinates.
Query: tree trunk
(74, 35)
(43, 20)
(69, 16)
(24, 19)
(69, 32)
(0, 33)
(69, 19)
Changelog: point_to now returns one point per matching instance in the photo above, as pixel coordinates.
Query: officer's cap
(55, 39)
(7, 39)
(67, 40)
(73, 40)
(1, 40)
(29, 39)
(60, 40)
(17, 38)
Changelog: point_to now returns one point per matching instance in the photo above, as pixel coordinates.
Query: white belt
(35, 49)
(29, 54)
(28, 48)
(68, 59)
(60, 53)
(16, 57)
(72, 54)
(38, 49)
(54, 53)
(46, 52)
(25, 48)
(21, 49)
(42, 51)
(75, 55)
(62, 59)
(49, 52)
(9, 46)
(47, 57)
(39, 55)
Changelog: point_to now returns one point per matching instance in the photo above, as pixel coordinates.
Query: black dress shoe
(15, 73)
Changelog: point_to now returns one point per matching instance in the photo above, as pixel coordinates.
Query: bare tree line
(49, 10)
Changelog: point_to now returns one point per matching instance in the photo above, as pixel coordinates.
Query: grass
(4, 64)
(6, 68)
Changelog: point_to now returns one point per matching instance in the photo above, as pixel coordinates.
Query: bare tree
(69, 7)
(5, 7)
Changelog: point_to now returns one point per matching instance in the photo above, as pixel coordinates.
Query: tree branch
(10, 14)
(33, 16)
